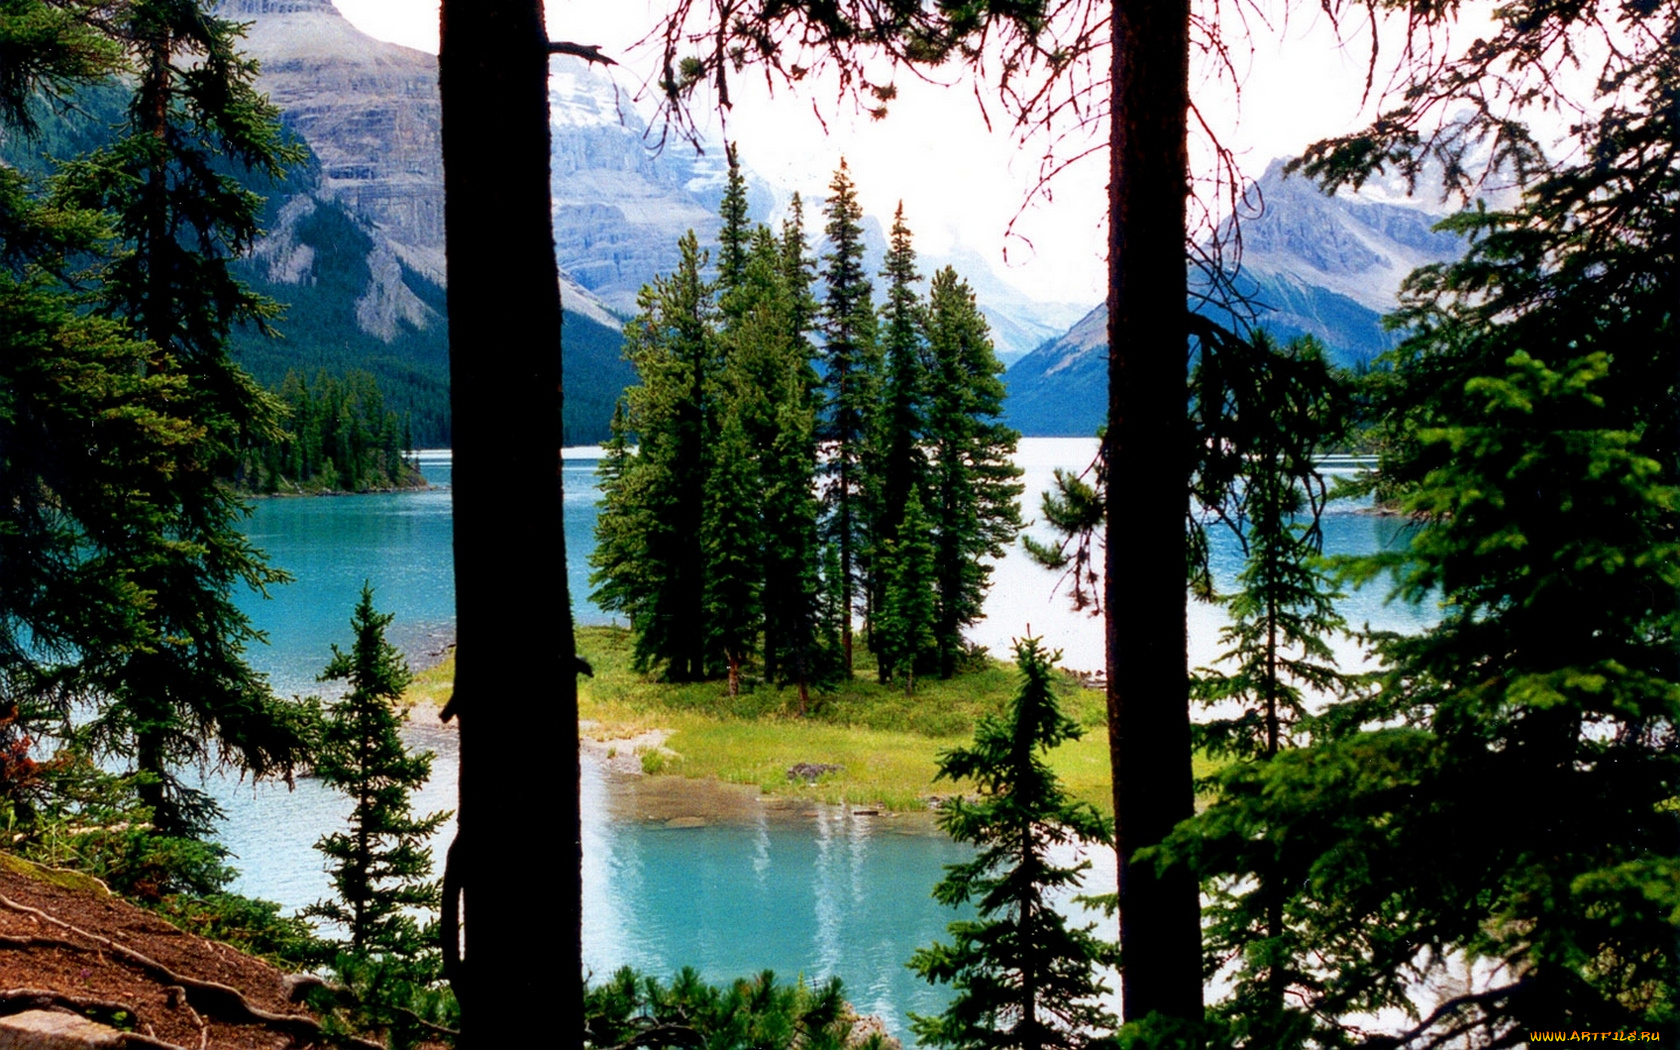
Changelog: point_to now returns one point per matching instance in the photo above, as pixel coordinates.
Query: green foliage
(909, 608)
(973, 496)
(380, 867)
(660, 496)
(629, 1009)
(851, 376)
(48, 48)
(711, 539)
(707, 538)
(1500, 810)
(731, 541)
(1073, 508)
(249, 924)
(135, 549)
(384, 994)
(339, 437)
(1024, 977)
(1283, 614)
(94, 822)
(898, 458)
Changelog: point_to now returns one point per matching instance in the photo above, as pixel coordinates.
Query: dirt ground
(106, 963)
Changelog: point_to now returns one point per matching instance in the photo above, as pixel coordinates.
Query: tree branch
(587, 52)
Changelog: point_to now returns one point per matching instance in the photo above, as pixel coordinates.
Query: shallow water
(675, 873)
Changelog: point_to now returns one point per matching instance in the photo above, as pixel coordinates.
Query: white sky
(959, 182)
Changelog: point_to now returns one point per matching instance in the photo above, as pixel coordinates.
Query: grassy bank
(886, 743)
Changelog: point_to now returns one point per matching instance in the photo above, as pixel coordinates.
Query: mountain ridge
(1328, 266)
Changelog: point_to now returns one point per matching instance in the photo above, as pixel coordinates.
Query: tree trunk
(515, 690)
(1148, 695)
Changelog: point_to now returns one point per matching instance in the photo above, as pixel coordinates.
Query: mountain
(370, 112)
(355, 244)
(1325, 266)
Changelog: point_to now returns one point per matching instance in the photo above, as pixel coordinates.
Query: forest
(1487, 810)
(715, 537)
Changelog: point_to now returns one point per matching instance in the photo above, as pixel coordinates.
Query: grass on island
(885, 742)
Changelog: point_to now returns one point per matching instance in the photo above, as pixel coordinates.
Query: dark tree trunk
(515, 690)
(1148, 696)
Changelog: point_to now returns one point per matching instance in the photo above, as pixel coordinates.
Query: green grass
(432, 687)
(885, 742)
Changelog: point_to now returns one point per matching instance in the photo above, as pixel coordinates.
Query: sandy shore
(620, 754)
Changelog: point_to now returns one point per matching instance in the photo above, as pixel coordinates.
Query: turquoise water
(804, 890)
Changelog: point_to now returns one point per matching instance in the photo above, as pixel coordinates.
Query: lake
(803, 890)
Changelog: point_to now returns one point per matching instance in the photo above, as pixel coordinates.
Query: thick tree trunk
(1148, 696)
(515, 690)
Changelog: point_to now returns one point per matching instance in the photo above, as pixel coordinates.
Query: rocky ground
(69, 947)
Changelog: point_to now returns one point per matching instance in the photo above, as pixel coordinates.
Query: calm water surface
(713, 878)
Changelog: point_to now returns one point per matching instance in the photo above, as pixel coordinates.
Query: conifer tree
(902, 423)
(851, 383)
(185, 690)
(1023, 976)
(1283, 612)
(734, 234)
(1277, 663)
(770, 383)
(381, 867)
(909, 606)
(672, 343)
(798, 271)
(619, 560)
(973, 497)
(731, 541)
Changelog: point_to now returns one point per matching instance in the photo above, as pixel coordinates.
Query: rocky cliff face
(368, 109)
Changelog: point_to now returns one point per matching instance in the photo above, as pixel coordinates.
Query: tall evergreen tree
(973, 492)
(181, 218)
(902, 423)
(909, 605)
(734, 234)
(731, 541)
(770, 383)
(673, 345)
(1278, 662)
(1023, 976)
(381, 868)
(619, 560)
(851, 386)
(799, 271)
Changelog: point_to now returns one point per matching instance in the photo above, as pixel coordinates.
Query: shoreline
(870, 748)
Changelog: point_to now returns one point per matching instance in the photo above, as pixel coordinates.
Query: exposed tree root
(105, 1011)
(221, 1002)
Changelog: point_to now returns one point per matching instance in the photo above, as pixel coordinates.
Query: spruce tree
(673, 345)
(902, 423)
(731, 541)
(1278, 665)
(798, 272)
(1503, 798)
(851, 387)
(734, 233)
(1023, 976)
(1283, 612)
(973, 494)
(619, 561)
(381, 867)
(909, 605)
(184, 694)
(770, 384)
